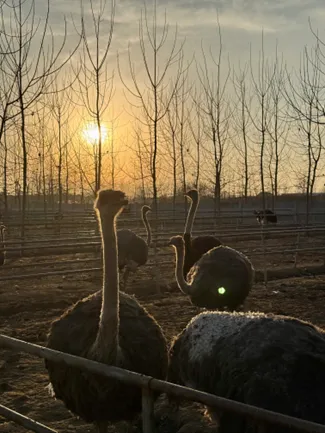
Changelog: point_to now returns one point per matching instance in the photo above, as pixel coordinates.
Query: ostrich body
(195, 248)
(110, 327)
(266, 217)
(133, 250)
(3, 231)
(273, 362)
(222, 278)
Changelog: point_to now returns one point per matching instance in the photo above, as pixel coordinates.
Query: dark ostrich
(133, 250)
(110, 327)
(267, 217)
(3, 231)
(222, 278)
(274, 362)
(195, 248)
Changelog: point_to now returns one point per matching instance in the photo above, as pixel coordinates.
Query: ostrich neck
(3, 240)
(148, 228)
(107, 337)
(190, 217)
(181, 282)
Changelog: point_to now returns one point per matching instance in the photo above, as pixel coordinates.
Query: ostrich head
(110, 203)
(177, 242)
(192, 194)
(221, 278)
(146, 209)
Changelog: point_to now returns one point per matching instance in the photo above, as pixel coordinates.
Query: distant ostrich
(3, 231)
(132, 249)
(195, 248)
(274, 362)
(109, 327)
(222, 278)
(266, 217)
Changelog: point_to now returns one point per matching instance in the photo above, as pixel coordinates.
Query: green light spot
(221, 290)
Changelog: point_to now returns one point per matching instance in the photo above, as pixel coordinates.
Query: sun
(91, 134)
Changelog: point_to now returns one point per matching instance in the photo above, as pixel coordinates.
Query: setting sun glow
(91, 134)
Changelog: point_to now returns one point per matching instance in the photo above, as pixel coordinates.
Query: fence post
(148, 424)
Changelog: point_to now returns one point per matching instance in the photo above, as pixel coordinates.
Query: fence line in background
(161, 263)
(152, 384)
(162, 239)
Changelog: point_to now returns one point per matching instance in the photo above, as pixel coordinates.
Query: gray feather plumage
(131, 247)
(221, 267)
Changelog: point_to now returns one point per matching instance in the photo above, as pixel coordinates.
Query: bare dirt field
(27, 308)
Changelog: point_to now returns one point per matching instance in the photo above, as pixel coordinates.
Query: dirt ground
(27, 308)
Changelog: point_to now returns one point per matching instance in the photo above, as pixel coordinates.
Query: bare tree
(304, 100)
(243, 122)
(262, 85)
(277, 126)
(32, 69)
(95, 82)
(155, 96)
(215, 107)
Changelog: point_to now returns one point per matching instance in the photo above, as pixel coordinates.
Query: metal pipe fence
(149, 384)
(161, 238)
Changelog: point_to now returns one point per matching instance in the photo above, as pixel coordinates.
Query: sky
(283, 22)
(242, 22)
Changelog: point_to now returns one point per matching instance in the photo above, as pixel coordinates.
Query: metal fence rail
(148, 384)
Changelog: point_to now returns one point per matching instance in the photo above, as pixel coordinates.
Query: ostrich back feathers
(274, 362)
(131, 247)
(222, 278)
(143, 349)
(196, 247)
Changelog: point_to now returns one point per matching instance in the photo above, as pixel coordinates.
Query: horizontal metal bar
(24, 421)
(143, 381)
(49, 274)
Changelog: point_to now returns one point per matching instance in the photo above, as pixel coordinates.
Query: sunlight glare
(91, 134)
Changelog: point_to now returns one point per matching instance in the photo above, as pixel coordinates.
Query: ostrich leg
(126, 275)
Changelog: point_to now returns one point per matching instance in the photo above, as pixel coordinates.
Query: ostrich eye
(221, 290)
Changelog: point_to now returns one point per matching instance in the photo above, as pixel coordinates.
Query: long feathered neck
(2, 245)
(181, 282)
(147, 226)
(3, 236)
(191, 216)
(107, 341)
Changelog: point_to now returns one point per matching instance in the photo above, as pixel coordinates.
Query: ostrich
(222, 278)
(274, 362)
(110, 327)
(195, 248)
(266, 217)
(133, 250)
(3, 231)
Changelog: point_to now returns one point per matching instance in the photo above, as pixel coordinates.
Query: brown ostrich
(3, 231)
(269, 361)
(110, 327)
(133, 250)
(222, 278)
(195, 248)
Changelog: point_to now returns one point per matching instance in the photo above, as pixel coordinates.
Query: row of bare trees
(182, 121)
